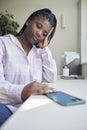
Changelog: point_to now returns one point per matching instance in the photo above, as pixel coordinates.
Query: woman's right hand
(44, 43)
(36, 88)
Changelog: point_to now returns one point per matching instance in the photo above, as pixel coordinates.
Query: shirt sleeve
(48, 65)
(9, 93)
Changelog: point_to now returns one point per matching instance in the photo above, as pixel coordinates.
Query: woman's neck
(26, 46)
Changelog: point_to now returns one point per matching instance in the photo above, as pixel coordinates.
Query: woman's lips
(35, 39)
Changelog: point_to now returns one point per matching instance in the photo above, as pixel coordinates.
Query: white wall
(84, 70)
(64, 39)
(83, 31)
(82, 6)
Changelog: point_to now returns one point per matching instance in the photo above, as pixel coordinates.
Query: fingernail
(50, 91)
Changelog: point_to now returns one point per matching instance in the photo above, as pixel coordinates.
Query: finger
(55, 90)
(52, 90)
(41, 44)
(42, 91)
(50, 32)
(45, 86)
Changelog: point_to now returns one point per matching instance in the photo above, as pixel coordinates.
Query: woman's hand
(44, 43)
(36, 88)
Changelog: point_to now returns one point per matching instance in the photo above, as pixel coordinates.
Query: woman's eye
(45, 34)
(39, 26)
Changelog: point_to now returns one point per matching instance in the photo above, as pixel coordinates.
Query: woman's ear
(28, 22)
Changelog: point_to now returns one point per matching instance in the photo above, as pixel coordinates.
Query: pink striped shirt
(18, 69)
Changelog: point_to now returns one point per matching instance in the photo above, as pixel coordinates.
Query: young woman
(26, 61)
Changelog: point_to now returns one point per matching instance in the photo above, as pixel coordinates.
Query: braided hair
(42, 13)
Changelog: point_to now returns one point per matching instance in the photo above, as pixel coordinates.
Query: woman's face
(36, 30)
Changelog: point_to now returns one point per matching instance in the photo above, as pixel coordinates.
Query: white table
(40, 113)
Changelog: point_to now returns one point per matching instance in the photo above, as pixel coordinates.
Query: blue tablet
(65, 99)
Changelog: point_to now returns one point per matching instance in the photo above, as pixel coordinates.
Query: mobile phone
(65, 99)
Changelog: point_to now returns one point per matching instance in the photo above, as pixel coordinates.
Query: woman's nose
(39, 33)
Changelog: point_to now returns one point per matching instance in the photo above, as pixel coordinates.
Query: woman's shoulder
(7, 38)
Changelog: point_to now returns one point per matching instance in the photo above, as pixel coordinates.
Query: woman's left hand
(44, 43)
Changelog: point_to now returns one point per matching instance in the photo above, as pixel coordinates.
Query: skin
(36, 88)
(37, 31)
